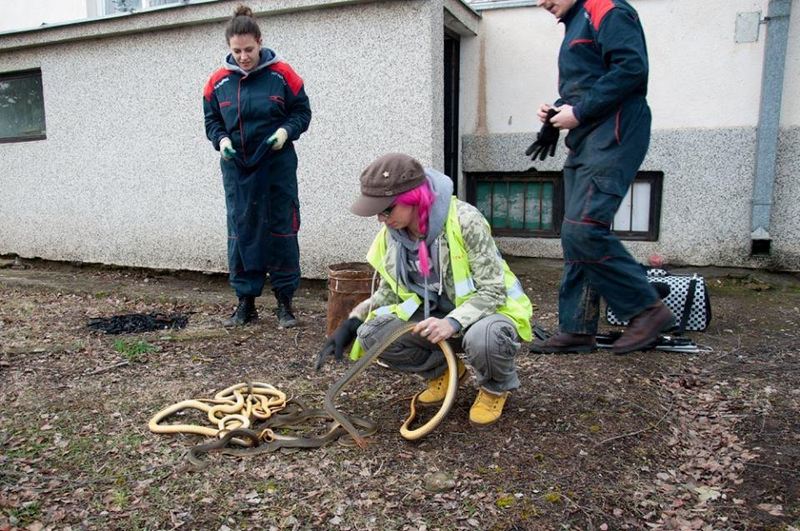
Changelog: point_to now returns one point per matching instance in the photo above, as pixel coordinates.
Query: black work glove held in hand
(338, 341)
(546, 139)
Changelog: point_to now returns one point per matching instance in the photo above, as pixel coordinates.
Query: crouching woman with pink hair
(439, 267)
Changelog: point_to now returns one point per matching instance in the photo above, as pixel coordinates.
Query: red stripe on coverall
(597, 10)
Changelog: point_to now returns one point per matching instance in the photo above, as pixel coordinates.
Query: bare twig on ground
(584, 511)
(109, 368)
(637, 432)
(782, 469)
(640, 408)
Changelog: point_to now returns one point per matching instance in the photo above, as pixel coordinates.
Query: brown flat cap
(383, 180)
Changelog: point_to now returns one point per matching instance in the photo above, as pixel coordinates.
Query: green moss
(552, 497)
(505, 501)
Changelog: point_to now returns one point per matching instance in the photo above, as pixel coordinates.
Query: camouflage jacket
(485, 264)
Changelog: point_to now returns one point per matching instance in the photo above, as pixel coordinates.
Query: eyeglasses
(386, 212)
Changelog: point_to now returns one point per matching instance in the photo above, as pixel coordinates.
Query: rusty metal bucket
(348, 284)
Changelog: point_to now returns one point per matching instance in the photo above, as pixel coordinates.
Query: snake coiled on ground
(236, 409)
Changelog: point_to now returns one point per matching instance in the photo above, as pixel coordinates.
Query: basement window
(21, 106)
(639, 214)
(531, 204)
(519, 203)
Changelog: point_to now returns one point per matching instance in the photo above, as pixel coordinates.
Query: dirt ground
(658, 440)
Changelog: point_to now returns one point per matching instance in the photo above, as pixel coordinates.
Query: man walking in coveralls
(603, 71)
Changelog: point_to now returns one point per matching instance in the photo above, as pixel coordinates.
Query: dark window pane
(500, 206)
(483, 199)
(547, 206)
(21, 106)
(533, 208)
(539, 209)
(516, 205)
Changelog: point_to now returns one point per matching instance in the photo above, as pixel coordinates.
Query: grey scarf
(408, 271)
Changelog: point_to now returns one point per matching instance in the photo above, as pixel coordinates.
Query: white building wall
(17, 15)
(704, 92)
(790, 107)
(126, 175)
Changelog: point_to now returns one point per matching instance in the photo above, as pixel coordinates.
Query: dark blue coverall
(261, 197)
(603, 74)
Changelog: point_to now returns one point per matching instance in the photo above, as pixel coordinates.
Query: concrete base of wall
(707, 192)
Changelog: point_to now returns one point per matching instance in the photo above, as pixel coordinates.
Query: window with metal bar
(518, 203)
(531, 204)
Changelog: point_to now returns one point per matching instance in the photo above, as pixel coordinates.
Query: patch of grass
(120, 498)
(132, 440)
(469, 507)
(31, 450)
(133, 351)
(24, 515)
(82, 453)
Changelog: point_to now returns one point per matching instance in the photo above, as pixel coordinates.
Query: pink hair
(421, 197)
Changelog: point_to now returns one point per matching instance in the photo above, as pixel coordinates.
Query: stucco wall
(126, 175)
(704, 94)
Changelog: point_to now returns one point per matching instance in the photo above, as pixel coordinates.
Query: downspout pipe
(769, 117)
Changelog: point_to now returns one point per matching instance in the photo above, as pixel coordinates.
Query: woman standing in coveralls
(603, 72)
(255, 106)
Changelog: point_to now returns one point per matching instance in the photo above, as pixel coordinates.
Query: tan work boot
(437, 388)
(487, 408)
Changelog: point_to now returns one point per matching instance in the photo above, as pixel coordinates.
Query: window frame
(101, 7)
(528, 176)
(655, 178)
(23, 74)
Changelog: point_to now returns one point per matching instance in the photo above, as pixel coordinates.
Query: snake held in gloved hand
(364, 362)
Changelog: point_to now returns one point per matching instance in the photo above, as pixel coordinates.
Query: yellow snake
(232, 409)
(228, 410)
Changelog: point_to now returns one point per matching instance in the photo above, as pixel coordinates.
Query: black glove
(338, 341)
(546, 139)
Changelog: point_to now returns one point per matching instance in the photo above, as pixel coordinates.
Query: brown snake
(233, 412)
(363, 363)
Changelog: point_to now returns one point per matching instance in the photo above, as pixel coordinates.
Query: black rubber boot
(245, 312)
(286, 318)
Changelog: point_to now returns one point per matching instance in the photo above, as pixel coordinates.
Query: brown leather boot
(564, 342)
(644, 329)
